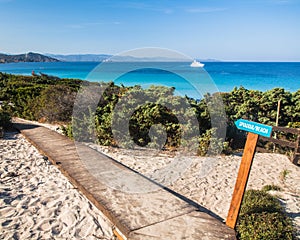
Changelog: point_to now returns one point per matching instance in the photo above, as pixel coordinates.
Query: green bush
(51, 99)
(294, 124)
(262, 217)
(208, 144)
(258, 226)
(260, 107)
(55, 104)
(5, 119)
(35, 97)
(271, 187)
(256, 201)
(67, 130)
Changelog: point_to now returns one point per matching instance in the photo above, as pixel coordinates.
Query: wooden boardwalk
(161, 214)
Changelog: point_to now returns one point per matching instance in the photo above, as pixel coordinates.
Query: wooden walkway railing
(295, 145)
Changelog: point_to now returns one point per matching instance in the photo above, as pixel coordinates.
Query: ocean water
(215, 76)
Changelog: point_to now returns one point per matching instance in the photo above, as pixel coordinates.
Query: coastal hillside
(103, 57)
(26, 57)
(80, 57)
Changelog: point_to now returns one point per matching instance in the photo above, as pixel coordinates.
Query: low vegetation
(263, 217)
(267, 188)
(50, 99)
(284, 174)
(5, 122)
(5, 119)
(38, 97)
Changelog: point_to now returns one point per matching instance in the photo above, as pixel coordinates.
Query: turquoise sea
(225, 75)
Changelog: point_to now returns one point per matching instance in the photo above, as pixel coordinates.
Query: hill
(26, 57)
(80, 57)
(121, 58)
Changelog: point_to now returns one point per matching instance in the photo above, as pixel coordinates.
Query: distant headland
(26, 57)
(108, 57)
(48, 57)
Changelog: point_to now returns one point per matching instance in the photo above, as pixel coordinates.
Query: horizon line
(197, 58)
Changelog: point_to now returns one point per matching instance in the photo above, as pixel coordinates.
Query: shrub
(5, 119)
(55, 104)
(51, 99)
(23, 93)
(270, 188)
(256, 201)
(284, 174)
(208, 144)
(67, 130)
(294, 124)
(265, 225)
(262, 217)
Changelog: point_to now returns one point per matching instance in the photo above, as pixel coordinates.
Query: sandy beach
(37, 201)
(213, 189)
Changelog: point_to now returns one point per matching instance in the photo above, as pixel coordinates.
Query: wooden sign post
(254, 129)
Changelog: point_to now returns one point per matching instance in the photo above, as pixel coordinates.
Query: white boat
(196, 64)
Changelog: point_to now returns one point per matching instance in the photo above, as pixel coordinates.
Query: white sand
(52, 126)
(214, 191)
(38, 202)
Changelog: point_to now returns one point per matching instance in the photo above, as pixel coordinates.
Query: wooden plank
(207, 229)
(296, 159)
(288, 130)
(118, 234)
(296, 156)
(297, 147)
(242, 180)
(262, 150)
(280, 142)
(127, 211)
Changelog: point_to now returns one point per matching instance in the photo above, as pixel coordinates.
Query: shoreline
(225, 77)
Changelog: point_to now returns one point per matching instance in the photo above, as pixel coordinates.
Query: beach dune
(37, 201)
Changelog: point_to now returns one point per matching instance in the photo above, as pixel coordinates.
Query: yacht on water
(195, 63)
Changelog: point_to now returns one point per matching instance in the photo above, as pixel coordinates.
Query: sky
(244, 30)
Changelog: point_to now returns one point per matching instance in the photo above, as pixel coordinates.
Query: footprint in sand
(8, 212)
(56, 229)
(43, 225)
(68, 218)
